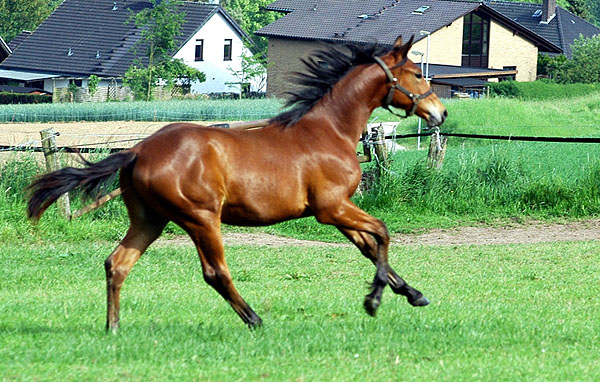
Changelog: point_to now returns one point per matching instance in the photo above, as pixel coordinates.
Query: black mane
(324, 68)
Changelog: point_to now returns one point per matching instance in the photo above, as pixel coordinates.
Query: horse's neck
(351, 102)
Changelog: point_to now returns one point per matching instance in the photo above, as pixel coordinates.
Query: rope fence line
(502, 137)
(35, 146)
(373, 141)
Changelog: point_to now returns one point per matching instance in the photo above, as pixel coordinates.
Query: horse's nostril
(445, 114)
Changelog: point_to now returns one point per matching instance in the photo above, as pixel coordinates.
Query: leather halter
(415, 98)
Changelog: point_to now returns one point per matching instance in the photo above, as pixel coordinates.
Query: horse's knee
(215, 277)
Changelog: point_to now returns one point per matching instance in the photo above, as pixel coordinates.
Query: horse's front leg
(358, 224)
(368, 247)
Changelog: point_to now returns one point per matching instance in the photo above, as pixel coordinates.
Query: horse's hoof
(421, 301)
(254, 325)
(371, 306)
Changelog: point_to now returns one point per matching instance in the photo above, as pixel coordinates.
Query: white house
(82, 38)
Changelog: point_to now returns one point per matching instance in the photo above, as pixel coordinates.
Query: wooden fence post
(49, 147)
(437, 151)
(380, 149)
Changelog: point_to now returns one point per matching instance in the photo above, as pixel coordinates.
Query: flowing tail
(47, 188)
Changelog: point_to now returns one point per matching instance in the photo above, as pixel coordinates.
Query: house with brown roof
(465, 43)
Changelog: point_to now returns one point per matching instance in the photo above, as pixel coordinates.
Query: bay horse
(303, 163)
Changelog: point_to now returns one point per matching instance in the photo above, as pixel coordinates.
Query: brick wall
(445, 45)
(509, 49)
(284, 59)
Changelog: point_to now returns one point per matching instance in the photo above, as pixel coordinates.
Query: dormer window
(421, 10)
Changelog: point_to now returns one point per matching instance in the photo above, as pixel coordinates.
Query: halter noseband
(416, 98)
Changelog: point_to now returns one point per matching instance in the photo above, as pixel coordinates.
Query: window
(199, 56)
(227, 50)
(476, 35)
(421, 10)
(512, 77)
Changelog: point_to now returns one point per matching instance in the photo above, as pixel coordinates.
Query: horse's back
(248, 176)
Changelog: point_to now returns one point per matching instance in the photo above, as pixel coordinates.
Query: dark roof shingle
(337, 20)
(379, 21)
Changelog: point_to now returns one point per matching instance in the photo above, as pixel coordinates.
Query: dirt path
(533, 232)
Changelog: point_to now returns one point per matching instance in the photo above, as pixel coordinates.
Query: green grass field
(498, 313)
(524, 312)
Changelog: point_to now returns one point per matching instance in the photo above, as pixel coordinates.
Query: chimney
(548, 11)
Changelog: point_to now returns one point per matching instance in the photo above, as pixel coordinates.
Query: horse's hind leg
(368, 247)
(206, 235)
(145, 227)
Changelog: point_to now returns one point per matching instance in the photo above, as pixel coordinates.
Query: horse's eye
(419, 75)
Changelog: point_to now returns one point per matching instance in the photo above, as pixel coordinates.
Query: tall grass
(578, 116)
(541, 180)
(480, 183)
(174, 110)
(541, 90)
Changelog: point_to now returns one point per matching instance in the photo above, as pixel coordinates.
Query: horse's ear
(402, 49)
(398, 42)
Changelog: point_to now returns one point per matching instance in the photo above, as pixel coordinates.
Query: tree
(254, 67)
(585, 65)
(579, 8)
(19, 15)
(551, 66)
(251, 16)
(160, 25)
(595, 11)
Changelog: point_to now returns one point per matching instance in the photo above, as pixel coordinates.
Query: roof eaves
(208, 17)
(5, 46)
(525, 32)
(234, 24)
(561, 33)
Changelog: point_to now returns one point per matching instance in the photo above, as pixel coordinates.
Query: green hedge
(18, 98)
(541, 90)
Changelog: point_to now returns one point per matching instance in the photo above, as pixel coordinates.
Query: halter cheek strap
(415, 98)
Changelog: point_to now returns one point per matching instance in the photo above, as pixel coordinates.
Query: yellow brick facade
(510, 49)
(445, 45)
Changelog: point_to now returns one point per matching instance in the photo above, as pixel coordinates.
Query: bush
(509, 89)
(18, 98)
(541, 90)
(585, 65)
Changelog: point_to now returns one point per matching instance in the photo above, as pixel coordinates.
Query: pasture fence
(373, 142)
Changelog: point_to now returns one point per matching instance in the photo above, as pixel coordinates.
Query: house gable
(213, 63)
(560, 31)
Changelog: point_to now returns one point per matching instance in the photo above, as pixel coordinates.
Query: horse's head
(408, 89)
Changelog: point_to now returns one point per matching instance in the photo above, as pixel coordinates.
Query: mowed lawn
(525, 312)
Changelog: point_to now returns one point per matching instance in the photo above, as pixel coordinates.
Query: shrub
(541, 90)
(18, 98)
(585, 65)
